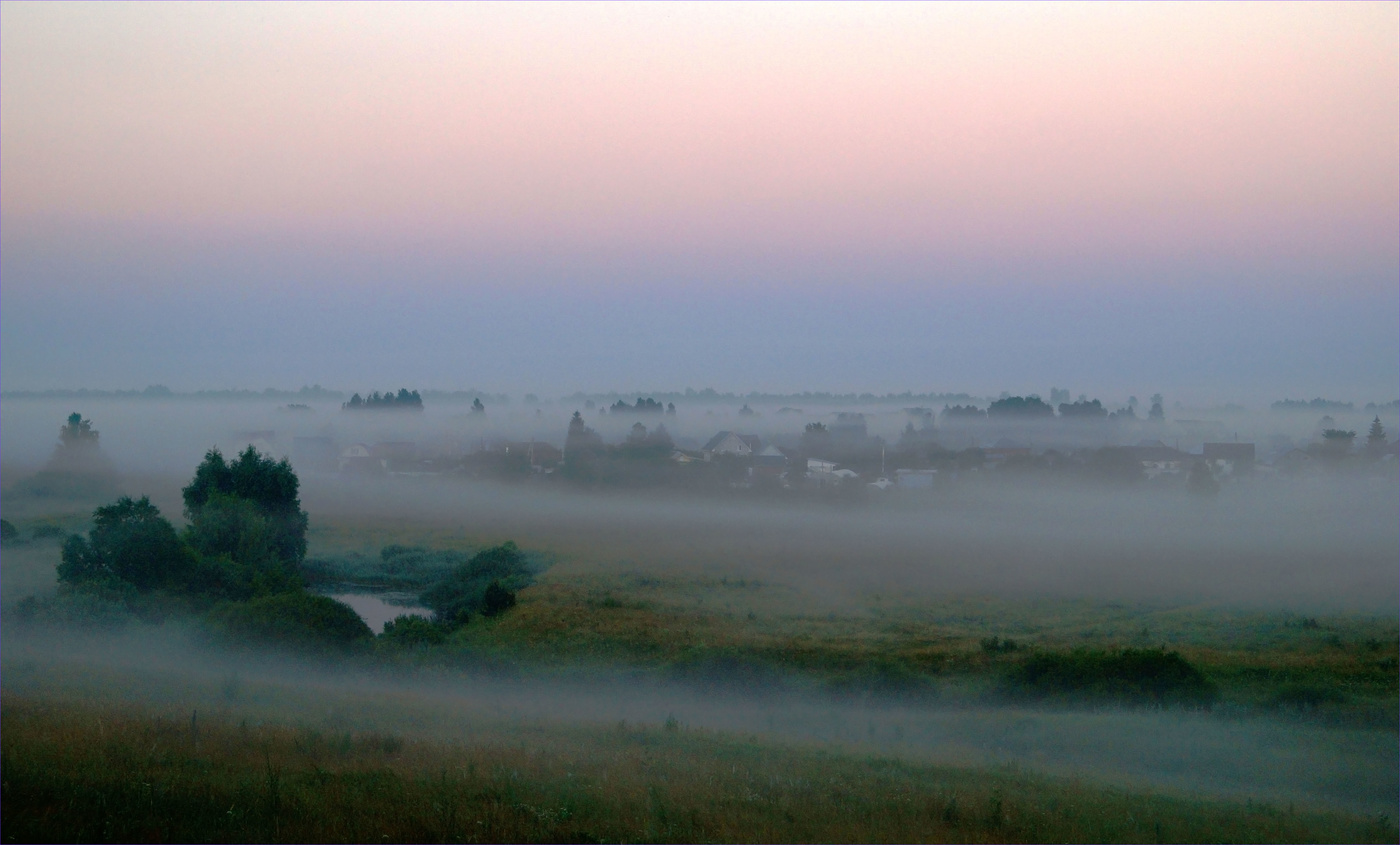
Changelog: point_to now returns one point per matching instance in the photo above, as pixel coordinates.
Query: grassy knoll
(87, 773)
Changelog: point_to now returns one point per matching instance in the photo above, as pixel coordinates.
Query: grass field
(75, 772)
(733, 698)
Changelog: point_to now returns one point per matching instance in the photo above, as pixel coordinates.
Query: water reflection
(378, 608)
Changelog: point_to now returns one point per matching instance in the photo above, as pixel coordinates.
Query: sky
(1201, 199)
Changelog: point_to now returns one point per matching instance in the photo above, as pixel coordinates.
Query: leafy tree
(270, 486)
(8, 532)
(1156, 414)
(78, 432)
(132, 542)
(1083, 410)
(477, 407)
(1336, 442)
(1020, 406)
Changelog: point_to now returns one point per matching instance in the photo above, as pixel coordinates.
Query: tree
(1337, 442)
(1375, 438)
(132, 542)
(269, 486)
(1157, 414)
(1020, 406)
(477, 407)
(78, 432)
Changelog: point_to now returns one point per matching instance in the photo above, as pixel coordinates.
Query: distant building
(729, 443)
(358, 460)
(1238, 457)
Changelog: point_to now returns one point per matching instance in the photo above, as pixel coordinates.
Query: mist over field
(700, 422)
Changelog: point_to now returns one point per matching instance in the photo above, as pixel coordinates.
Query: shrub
(411, 630)
(496, 600)
(44, 532)
(463, 591)
(996, 645)
(1130, 677)
(293, 618)
(8, 532)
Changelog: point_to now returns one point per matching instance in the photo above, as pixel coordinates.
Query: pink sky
(1116, 131)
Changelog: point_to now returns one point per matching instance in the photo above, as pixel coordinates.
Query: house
(359, 460)
(729, 443)
(771, 457)
(1238, 457)
(1157, 458)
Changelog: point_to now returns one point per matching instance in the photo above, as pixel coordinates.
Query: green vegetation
(82, 773)
(1130, 677)
(8, 532)
(485, 584)
(297, 619)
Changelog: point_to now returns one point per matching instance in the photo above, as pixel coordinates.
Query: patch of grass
(83, 773)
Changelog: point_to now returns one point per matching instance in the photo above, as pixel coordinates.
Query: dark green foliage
(496, 600)
(410, 630)
(1127, 677)
(404, 400)
(1083, 410)
(293, 618)
(1020, 406)
(132, 542)
(271, 486)
(8, 532)
(996, 645)
(464, 590)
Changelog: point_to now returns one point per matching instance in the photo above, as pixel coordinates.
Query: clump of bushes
(298, 618)
(996, 645)
(8, 532)
(410, 630)
(484, 584)
(1132, 677)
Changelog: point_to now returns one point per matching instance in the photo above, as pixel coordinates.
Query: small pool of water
(378, 608)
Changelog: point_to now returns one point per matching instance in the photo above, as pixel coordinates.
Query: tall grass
(82, 773)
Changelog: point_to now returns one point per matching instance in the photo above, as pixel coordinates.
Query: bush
(411, 630)
(1129, 677)
(293, 618)
(464, 590)
(496, 600)
(8, 532)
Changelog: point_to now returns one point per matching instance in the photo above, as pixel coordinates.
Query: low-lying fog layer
(1351, 770)
(1322, 545)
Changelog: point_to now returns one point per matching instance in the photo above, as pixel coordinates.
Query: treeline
(160, 391)
(1033, 407)
(404, 400)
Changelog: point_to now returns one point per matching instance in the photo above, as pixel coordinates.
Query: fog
(1184, 753)
(990, 550)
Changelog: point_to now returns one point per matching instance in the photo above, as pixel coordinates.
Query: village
(839, 452)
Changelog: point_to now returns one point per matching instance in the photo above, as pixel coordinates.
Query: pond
(378, 608)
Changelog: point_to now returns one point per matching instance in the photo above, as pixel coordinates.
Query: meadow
(664, 683)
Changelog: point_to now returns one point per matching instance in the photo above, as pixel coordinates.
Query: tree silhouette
(1375, 438)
